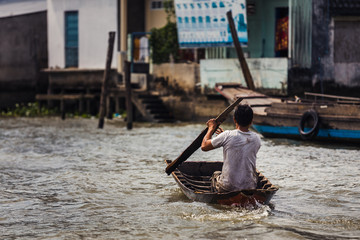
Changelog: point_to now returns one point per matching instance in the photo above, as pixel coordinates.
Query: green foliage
(76, 114)
(28, 110)
(85, 115)
(169, 9)
(164, 42)
(33, 110)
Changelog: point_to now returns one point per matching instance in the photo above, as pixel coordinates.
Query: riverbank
(182, 109)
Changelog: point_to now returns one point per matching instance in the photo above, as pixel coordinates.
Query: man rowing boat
(240, 147)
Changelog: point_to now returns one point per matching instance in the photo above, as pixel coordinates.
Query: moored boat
(325, 118)
(194, 179)
(316, 117)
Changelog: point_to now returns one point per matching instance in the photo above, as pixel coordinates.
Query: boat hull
(194, 180)
(338, 135)
(336, 122)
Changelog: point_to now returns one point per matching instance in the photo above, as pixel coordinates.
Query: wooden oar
(197, 142)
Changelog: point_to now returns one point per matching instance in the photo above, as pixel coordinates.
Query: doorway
(281, 31)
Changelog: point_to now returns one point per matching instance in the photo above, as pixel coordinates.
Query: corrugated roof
(10, 8)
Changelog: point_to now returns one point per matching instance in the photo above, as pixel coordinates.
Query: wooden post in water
(81, 105)
(105, 79)
(62, 106)
(129, 110)
(108, 107)
(62, 109)
(88, 102)
(117, 104)
(240, 54)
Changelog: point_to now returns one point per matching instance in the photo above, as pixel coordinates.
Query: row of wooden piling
(104, 88)
(106, 94)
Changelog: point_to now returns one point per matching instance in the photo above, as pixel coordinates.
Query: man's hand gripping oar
(197, 142)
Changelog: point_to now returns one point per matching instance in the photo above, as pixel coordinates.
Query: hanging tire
(314, 129)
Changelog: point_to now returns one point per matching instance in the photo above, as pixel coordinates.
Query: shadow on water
(312, 235)
(177, 196)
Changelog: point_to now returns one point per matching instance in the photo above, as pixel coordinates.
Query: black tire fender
(312, 133)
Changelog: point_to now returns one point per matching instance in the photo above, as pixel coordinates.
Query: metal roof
(9, 8)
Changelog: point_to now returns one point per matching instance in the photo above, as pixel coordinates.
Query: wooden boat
(325, 118)
(316, 117)
(193, 177)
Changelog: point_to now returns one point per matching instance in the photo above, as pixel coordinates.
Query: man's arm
(206, 142)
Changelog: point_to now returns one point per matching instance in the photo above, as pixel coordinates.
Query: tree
(169, 9)
(164, 41)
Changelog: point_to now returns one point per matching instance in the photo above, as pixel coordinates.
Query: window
(155, 5)
(71, 39)
(346, 40)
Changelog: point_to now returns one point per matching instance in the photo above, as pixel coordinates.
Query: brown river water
(70, 180)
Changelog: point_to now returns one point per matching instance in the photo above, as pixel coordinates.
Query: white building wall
(96, 19)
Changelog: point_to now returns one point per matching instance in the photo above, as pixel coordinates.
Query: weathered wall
(346, 50)
(23, 52)
(196, 108)
(179, 86)
(79, 80)
(322, 62)
(175, 78)
(335, 32)
(154, 18)
(333, 45)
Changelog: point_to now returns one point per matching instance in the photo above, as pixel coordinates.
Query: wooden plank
(331, 96)
(328, 109)
(228, 85)
(245, 68)
(257, 102)
(117, 90)
(233, 91)
(42, 97)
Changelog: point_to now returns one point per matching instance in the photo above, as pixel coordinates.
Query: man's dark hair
(243, 115)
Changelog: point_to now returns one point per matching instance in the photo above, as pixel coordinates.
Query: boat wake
(228, 213)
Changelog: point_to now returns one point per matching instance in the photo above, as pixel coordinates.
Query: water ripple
(70, 180)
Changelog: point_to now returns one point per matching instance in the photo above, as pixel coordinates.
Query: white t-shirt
(239, 168)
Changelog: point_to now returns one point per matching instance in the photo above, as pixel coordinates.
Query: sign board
(203, 23)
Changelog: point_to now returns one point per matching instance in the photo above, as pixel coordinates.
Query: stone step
(152, 108)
